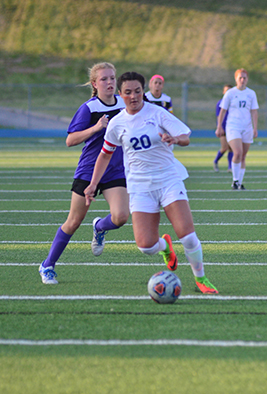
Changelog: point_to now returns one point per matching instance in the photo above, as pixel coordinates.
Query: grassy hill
(199, 41)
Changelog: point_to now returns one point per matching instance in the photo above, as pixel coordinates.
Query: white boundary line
(132, 342)
(126, 264)
(107, 210)
(128, 298)
(188, 191)
(129, 224)
(102, 199)
(115, 241)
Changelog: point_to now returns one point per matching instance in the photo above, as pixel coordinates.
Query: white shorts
(245, 135)
(150, 202)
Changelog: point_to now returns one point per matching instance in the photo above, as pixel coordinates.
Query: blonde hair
(92, 73)
(239, 71)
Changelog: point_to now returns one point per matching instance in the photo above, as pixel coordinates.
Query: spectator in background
(241, 125)
(155, 95)
(88, 126)
(224, 145)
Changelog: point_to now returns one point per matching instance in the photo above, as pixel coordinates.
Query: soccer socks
(241, 175)
(193, 253)
(158, 247)
(60, 242)
(105, 224)
(236, 167)
(219, 155)
(230, 157)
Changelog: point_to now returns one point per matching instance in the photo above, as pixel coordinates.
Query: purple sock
(219, 155)
(60, 242)
(229, 157)
(105, 224)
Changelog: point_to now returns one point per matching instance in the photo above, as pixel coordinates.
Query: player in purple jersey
(88, 126)
(224, 144)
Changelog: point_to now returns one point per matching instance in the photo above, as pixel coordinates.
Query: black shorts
(79, 185)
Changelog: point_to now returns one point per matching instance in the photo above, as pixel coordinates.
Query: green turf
(231, 226)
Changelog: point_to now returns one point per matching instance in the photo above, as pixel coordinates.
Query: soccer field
(98, 331)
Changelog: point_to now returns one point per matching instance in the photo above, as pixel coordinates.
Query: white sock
(158, 247)
(193, 253)
(236, 170)
(241, 175)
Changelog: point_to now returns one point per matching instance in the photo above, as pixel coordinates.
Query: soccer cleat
(98, 241)
(241, 187)
(204, 285)
(48, 275)
(215, 167)
(234, 185)
(229, 170)
(168, 254)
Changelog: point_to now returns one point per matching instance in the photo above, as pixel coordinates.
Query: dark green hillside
(197, 41)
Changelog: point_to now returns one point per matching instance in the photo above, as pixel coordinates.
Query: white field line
(129, 224)
(128, 298)
(132, 342)
(127, 264)
(107, 210)
(68, 182)
(189, 191)
(126, 241)
(101, 200)
(209, 176)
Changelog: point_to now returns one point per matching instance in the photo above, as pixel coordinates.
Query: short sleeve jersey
(87, 116)
(239, 103)
(149, 162)
(163, 101)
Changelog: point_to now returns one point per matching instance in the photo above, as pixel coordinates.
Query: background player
(155, 94)
(88, 126)
(224, 145)
(241, 125)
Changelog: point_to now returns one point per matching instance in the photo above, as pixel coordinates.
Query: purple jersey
(218, 108)
(87, 116)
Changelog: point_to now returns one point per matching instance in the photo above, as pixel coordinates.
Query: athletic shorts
(150, 202)
(79, 185)
(245, 135)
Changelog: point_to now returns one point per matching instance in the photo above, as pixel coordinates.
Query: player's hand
(89, 194)
(219, 132)
(165, 137)
(102, 123)
(255, 133)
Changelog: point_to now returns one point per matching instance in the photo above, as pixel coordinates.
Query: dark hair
(130, 76)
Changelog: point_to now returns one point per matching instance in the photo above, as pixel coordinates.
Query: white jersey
(149, 163)
(163, 101)
(239, 103)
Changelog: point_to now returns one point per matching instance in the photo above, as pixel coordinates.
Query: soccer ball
(164, 287)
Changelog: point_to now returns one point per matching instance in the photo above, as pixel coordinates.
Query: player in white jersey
(241, 125)
(154, 177)
(155, 94)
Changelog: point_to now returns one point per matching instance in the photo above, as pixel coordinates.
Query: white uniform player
(154, 177)
(239, 103)
(149, 162)
(241, 125)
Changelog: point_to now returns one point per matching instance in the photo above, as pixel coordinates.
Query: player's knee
(190, 241)
(120, 219)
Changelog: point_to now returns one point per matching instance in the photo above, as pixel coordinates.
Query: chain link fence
(55, 104)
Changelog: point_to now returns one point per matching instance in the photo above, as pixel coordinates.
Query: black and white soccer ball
(164, 287)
